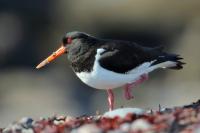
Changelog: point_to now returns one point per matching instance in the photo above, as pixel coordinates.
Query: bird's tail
(171, 61)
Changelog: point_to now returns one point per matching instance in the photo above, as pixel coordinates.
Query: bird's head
(68, 39)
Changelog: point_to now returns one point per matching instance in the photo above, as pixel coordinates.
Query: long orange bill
(52, 57)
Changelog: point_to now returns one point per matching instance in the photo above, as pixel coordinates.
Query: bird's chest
(99, 78)
(82, 59)
(102, 78)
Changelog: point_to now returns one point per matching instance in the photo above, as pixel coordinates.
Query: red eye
(69, 40)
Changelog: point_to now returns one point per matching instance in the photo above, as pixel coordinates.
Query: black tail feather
(179, 64)
(170, 57)
(177, 59)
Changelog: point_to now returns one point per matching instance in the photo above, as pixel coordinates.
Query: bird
(107, 64)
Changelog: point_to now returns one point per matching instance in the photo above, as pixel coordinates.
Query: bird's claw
(127, 89)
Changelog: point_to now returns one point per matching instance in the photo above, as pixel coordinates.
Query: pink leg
(128, 86)
(127, 91)
(110, 99)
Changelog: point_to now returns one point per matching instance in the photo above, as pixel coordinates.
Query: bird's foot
(127, 92)
(110, 99)
(127, 89)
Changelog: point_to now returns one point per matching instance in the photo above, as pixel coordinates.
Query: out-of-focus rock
(125, 127)
(26, 122)
(88, 128)
(140, 125)
(122, 112)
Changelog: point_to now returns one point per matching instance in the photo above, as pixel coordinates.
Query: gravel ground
(184, 119)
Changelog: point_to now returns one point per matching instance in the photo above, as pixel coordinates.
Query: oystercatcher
(108, 64)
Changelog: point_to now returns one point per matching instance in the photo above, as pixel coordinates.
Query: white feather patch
(101, 78)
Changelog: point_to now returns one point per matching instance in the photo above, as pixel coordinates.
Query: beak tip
(37, 67)
(53, 56)
(43, 63)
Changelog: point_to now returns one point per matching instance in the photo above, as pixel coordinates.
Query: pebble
(16, 128)
(26, 122)
(59, 120)
(122, 112)
(88, 128)
(140, 125)
(27, 131)
(125, 127)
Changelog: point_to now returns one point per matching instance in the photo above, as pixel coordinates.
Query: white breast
(101, 78)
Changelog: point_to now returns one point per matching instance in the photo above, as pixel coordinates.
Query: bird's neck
(82, 56)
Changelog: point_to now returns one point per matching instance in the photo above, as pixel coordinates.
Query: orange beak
(52, 57)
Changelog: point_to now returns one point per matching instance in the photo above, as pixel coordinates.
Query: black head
(76, 38)
(75, 35)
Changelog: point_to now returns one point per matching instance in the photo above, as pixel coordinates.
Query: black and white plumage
(104, 64)
(108, 64)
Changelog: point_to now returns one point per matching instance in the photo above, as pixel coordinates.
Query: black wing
(121, 56)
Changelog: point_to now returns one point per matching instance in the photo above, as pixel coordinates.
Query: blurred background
(31, 30)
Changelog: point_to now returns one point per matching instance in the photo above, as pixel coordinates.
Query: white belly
(104, 79)
(101, 78)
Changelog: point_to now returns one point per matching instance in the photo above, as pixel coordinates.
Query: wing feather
(122, 57)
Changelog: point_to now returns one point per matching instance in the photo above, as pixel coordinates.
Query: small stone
(88, 128)
(59, 120)
(26, 122)
(122, 112)
(27, 131)
(7, 130)
(125, 127)
(13, 128)
(69, 118)
(140, 125)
